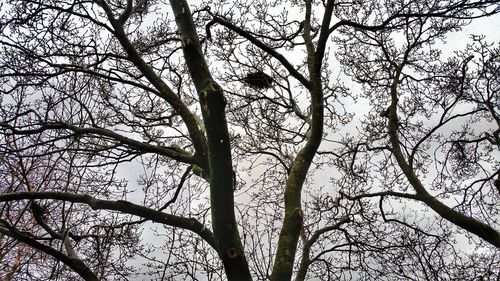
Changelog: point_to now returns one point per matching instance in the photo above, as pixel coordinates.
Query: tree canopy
(248, 140)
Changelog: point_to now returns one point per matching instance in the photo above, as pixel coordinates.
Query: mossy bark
(293, 219)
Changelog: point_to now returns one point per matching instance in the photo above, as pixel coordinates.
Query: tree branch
(122, 206)
(291, 69)
(470, 224)
(172, 152)
(75, 264)
(166, 93)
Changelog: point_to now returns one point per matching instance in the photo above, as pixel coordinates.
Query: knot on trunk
(232, 253)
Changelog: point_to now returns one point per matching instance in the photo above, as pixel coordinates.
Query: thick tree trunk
(220, 166)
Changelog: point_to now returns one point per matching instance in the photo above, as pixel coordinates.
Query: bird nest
(258, 80)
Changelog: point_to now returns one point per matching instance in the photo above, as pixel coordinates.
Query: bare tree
(232, 115)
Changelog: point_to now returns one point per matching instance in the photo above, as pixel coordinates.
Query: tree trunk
(220, 166)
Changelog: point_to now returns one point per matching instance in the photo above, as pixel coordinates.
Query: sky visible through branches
(249, 140)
